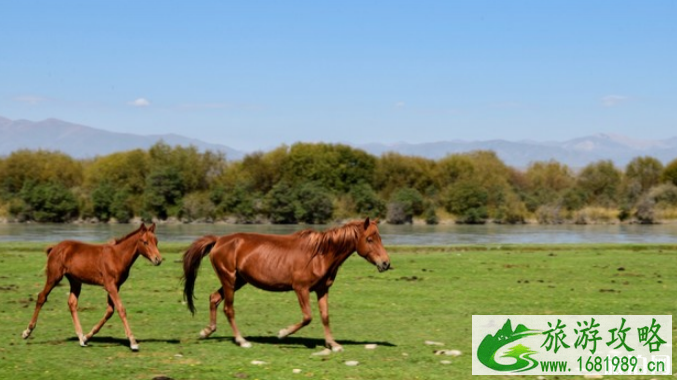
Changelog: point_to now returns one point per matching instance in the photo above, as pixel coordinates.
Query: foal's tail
(191, 264)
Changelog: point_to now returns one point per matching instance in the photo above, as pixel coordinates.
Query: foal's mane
(129, 235)
(336, 239)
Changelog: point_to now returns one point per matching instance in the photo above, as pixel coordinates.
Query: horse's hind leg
(109, 312)
(304, 301)
(76, 286)
(214, 302)
(52, 281)
(230, 285)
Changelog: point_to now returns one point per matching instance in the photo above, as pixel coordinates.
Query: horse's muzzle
(384, 266)
(157, 261)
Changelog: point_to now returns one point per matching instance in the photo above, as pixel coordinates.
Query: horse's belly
(267, 283)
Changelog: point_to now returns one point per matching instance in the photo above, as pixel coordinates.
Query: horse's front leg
(303, 295)
(122, 312)
(323, 304)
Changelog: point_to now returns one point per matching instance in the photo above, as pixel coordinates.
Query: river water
(391, 234)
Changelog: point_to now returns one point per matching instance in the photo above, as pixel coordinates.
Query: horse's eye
(145, 242)
(370, 240)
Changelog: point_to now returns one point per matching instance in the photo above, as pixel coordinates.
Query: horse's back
(266, 261)
(77, 258)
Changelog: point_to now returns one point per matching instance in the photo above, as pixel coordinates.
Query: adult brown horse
(304, 261)
(105, 265)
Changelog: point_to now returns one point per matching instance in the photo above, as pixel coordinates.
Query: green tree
(313, 204)
(280, 205)
(196, 170)
(38, 167)
(394, 171)
(644, 170)
(600, 182)
(197, 206)
(366, 201)
(670, 172)
(121, 208)
(102, 200)
(163, 193)
(546, 183)
(122, 169)
(405, 203)
(238, 201)
(50, 202)
(468, 201)
(337, 167)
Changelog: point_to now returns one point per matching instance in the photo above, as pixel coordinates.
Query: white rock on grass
(448, 352)
(433, 343)
(445, 361)
(352, 363)
(258, 362)
(324, 352)
(370, 346)
(296, 370)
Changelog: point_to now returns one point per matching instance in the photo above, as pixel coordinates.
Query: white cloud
(140, 102)
(30, 99)
(613, 100)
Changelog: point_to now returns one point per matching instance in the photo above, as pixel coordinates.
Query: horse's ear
(152, 228)
(367, 222)
(143, 227)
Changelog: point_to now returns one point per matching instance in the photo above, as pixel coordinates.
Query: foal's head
(370, 247)
(146, 245)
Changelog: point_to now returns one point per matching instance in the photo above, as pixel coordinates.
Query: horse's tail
(191, 264)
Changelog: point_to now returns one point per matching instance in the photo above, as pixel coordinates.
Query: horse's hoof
(245, 344)
(83, 343)
(282, 334)
(337, 348)
(26, 334)
(134, 347)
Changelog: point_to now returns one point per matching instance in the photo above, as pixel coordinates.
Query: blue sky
(256, 74)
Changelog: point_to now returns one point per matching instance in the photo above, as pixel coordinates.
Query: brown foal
(104, 265)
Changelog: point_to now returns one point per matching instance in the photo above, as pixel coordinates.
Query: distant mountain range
(81, 141)
(576, 153)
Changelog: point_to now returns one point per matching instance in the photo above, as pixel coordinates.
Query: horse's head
(147, 244)
(370, 247)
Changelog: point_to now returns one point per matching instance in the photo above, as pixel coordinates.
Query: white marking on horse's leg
(242, 342)
(337, 348)
(134, 347)
(206, 332)
(283, 333)
(83, 340)
(26, 333)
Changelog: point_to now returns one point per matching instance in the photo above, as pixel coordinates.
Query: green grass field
(431, 295)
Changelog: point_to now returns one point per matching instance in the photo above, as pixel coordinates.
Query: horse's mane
(120, 240)
(335, 239)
